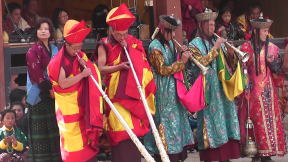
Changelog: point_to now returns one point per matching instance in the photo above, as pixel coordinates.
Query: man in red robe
(189, 9)
(121, 85)
(78, 102)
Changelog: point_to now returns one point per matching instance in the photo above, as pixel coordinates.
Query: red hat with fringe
(120, 18)
(75, 31)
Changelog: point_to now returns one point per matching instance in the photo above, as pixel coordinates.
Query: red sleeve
(33, 58)
(247, 48)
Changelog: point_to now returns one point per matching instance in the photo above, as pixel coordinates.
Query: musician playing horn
(78, 103)
(265, 110)
(121, 85)
(218, 131)
(171, 117)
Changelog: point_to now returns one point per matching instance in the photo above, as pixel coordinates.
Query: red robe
(78, 108)
(188, 16)
(123, 91)
(264, 104)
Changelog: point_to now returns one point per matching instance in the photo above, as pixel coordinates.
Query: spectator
(190, 8)
(19, 108)
(226, 28)
(18, 95)
(21, 117)
(30, 12)
(42, 119)
(13, 20)
(244, 19)
(59, 18)
(13, 141)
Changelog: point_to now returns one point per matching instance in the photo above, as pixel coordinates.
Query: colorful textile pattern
(171, 117)
(78, 108)
(245, 26)
(18, 134)
(123, 91)
(217, 122)
(264, 106)
(233, 85)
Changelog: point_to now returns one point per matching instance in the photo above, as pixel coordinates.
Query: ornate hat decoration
(75, 31)
(208, 14)
(168, 22)
(261, 22)
(120, 18)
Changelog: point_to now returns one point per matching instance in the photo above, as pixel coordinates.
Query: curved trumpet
(244, 57)
(203, 68)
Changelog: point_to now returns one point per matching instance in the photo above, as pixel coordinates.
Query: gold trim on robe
(205, 60)
(157, 61)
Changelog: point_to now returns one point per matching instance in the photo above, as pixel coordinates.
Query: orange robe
(78, 108)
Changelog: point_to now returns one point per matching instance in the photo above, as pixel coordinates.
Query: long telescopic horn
(133, 137)
(155, 132)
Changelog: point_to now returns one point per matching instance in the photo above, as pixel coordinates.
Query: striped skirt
(43, 133)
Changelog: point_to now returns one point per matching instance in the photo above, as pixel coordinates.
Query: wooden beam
(2, 72)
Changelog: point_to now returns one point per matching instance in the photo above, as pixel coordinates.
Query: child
(18, 95)
(21, 117)
(19, 108)
(12, 140)
(225, 28)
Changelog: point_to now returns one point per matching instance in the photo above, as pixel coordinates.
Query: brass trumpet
(203, 68)
(244, 57)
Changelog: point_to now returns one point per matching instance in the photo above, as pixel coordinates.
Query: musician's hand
(14, 141)
(123, 43)
(218, 43)
(7, 139)
(184, 48)
(185, 56)
(124, 66)
(190, 7)
(86, 72)
(82, 62)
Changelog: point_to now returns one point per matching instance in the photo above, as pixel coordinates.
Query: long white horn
(133, 137)
(155, 132)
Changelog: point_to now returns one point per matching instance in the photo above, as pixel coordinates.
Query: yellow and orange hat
(120, 18)
(75, 31)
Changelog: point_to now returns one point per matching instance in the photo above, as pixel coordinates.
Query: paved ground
(194, 157)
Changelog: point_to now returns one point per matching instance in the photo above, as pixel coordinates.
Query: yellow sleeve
(157, 62)
(18, 147)
(242, 20)
(3, 146)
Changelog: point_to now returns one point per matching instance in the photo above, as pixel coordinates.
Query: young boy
(12, 140)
